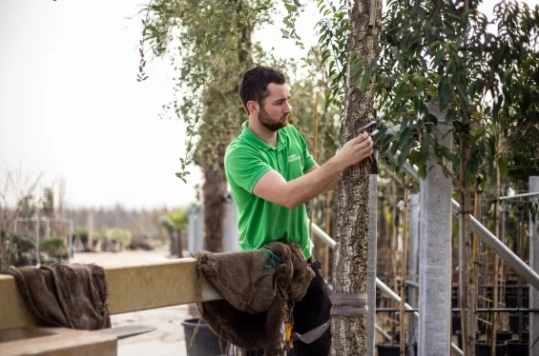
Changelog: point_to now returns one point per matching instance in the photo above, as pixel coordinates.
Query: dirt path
(168, 338)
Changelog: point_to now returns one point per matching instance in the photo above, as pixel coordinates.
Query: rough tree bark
(351, 251)
(4, 264)
(214, 191)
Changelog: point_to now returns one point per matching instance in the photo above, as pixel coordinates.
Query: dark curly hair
(255, 81)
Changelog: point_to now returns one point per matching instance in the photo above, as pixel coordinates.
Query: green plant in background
(54, 247)
(22, 249)
(120, 235)
(175, 222)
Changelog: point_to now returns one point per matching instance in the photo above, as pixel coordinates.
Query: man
(272, 175)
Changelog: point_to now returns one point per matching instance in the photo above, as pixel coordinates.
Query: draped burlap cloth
(256, 287)
(71, 296)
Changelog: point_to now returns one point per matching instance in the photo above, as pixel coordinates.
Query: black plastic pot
(205, 342)
(393, 349)
(514, 323)
(483, 349)
(516, 348)
(504, 335)
(455, 323)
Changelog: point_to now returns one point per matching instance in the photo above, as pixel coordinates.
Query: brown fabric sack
(72, 296)
(256, 287)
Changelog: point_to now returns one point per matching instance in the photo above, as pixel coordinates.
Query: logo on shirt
(294, 157)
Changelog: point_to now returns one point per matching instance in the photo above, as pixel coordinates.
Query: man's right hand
(355, 150)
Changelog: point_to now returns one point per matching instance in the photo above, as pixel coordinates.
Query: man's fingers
(365, 143)
(361, 137)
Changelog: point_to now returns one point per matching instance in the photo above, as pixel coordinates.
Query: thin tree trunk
(467, 285)
(214, 190)
(351, 251)
(4, 263)
(495, 299)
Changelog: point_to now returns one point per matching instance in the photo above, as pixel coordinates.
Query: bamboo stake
(496, 258)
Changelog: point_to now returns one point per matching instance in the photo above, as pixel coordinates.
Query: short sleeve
(245, 167)
(309, 160)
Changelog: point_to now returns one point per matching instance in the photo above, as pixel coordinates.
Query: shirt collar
(252, 138)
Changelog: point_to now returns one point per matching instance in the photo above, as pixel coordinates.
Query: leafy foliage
(435, 53)
(209, 43)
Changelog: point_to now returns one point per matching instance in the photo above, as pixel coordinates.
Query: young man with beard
(272, 175)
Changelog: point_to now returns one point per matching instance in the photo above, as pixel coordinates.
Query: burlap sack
(256, 287)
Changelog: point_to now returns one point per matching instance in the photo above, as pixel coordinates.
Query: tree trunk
(351, 251)
(4, 263)
(214, 191)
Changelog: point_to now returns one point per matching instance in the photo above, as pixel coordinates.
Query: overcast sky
(70, 106)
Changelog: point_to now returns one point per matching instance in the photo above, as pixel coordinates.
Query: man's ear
(252, 107)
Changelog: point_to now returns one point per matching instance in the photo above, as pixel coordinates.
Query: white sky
(70, 106)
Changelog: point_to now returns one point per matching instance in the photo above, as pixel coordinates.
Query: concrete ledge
(131, 288)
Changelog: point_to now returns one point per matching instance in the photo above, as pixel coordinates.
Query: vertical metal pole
(47, 228)
(199, 235)
(435, 257)
(534, 264)
(412, 267)
(38, 259)
(371, 257)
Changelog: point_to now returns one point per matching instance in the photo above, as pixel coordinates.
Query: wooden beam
(131, 288)
(62, 342)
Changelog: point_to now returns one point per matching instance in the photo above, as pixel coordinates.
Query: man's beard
(266, 121)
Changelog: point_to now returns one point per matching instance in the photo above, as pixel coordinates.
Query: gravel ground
(168, 338)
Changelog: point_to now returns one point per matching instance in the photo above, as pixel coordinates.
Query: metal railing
(484, 234)
(379, 283)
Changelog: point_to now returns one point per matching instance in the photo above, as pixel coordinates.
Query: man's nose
(287, 108)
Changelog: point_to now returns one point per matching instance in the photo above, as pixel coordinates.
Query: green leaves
(444, 93)
(209, 43)
(485, 81)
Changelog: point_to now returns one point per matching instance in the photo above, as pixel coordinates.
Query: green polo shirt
(247, 159)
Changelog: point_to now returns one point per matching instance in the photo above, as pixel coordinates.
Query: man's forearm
(306, 187)
(332, 185)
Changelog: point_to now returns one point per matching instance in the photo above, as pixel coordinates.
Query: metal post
(191, 230)
(485, 235)
(230, 227)
(381, 285)
(435, 255)
(384, 288)
(534, 264)
(381, 331)
(412, 267)
(47, 228)
(505, 253)
(371, 258)
(199, 232)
